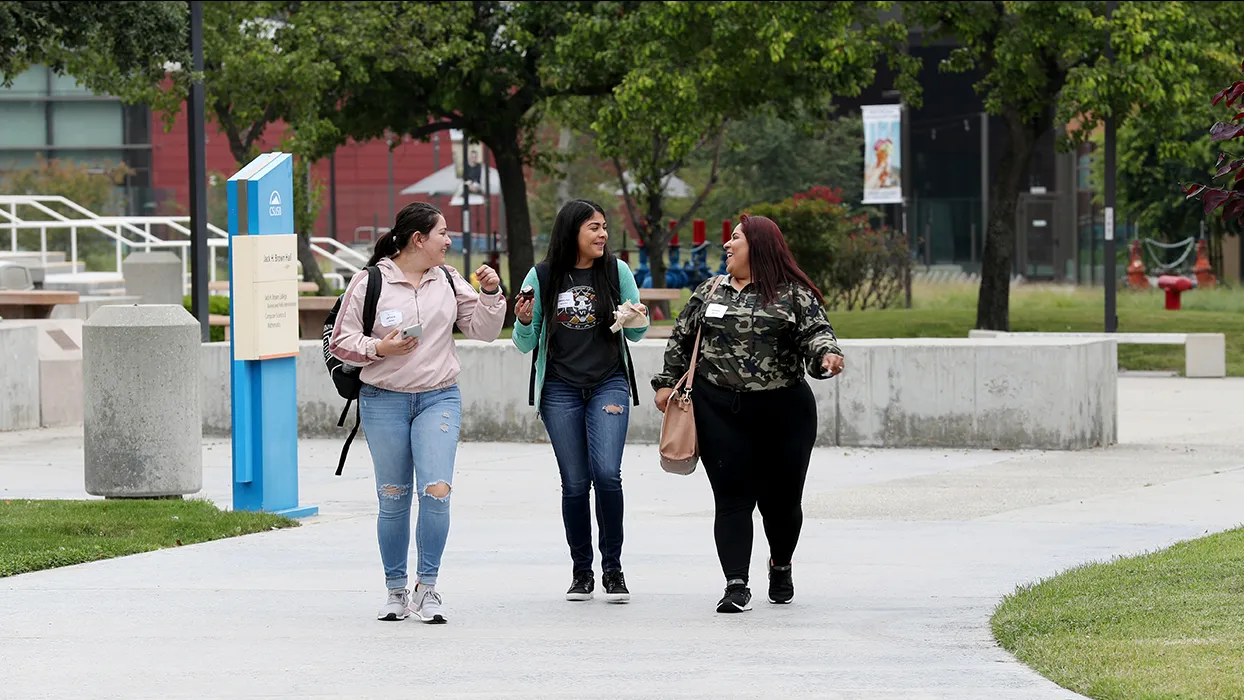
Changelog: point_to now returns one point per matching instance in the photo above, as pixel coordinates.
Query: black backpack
(615, 286)
(346, 377)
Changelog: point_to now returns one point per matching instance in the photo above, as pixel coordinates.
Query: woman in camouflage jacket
(764, 326)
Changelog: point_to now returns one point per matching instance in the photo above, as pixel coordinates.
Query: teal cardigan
(526, 337)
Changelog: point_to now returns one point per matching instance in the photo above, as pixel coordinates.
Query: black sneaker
(584, 584)
(615, 587)
(738, 599)
(781, 585)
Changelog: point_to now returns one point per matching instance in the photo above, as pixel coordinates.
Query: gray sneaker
(398, 606)
(427, 606)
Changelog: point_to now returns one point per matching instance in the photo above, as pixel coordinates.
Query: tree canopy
(109, 46)
(1045, 62)
(691, 69)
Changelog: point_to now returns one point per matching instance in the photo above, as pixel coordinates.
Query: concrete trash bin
(142, 417)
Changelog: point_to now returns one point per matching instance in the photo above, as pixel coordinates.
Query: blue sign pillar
(263, 331)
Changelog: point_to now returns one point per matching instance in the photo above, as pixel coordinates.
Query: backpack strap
(450, 278)
(358, 418)
(370, 301)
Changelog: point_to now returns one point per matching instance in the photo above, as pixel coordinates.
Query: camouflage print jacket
(746, 346)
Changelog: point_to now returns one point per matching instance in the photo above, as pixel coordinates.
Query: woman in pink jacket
(410, 405)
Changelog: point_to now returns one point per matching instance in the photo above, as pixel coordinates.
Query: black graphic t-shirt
(581, 352)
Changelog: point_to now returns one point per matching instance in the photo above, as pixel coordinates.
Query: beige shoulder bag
(680, 449)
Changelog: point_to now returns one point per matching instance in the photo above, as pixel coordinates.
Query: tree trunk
(656, 241)
(994, 299)
(310, 267)
(564, 186)
(517, 218)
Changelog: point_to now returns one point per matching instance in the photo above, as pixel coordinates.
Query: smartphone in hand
(415, 331)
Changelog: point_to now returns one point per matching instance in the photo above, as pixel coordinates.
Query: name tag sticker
(392, 317)
(565, 300)
(715, 311)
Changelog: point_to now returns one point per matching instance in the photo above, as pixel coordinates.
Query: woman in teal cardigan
(582, 379)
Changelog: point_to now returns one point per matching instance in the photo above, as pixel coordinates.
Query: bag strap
(695, 352)
(341, 463)
(371, 299)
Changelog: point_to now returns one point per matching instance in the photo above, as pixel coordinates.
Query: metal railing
(138, 233)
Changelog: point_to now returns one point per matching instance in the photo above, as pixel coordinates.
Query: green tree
(250, 85)
(692, 69)
(111, 47)
(1045, 62)
(419, 68)
(767, 159)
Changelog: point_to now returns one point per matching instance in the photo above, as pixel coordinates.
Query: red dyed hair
(772, 263)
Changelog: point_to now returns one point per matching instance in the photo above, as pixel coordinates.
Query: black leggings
(755, 448)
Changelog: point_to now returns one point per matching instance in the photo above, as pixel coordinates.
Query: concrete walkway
(904, 555)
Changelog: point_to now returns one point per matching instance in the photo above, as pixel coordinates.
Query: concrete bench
(33, 303)
(1205, 354)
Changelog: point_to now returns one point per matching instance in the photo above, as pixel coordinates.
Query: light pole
(199, 259)
(466, 207)
(1112, 318)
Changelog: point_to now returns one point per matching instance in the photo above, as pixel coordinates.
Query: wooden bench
(223, 286)
(33, 303)
(647, 294)
(1205, 354)
(312, 312)
(219, 320)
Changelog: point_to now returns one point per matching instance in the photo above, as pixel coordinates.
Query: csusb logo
(274, 204)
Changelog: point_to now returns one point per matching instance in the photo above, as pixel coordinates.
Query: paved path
(904, 555)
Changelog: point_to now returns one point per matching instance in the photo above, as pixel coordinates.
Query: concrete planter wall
(1057, 394)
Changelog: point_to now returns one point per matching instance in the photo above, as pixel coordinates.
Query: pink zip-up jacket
(434, 363)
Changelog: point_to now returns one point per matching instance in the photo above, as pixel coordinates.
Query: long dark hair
(414, 218)
(562, 255)
(773, 266)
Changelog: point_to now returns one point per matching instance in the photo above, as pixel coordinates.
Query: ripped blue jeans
(412, 438)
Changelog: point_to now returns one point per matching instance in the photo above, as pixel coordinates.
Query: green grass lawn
(37, 535)
(949, 311)
(1163, 626)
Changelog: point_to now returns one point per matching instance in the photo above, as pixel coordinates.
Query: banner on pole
(883, 154)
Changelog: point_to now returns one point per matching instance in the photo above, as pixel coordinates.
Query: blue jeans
(588, 430)
(412, 437)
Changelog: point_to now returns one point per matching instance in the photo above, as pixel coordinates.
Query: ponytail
(417, 218)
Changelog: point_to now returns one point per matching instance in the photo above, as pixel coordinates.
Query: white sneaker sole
(434, 619)
(579, 597)
(617, 597)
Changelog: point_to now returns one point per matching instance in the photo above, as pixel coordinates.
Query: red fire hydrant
(1174, 286)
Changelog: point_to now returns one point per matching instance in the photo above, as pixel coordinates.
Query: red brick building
(366, 195)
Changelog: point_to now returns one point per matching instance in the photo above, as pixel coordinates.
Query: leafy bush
(854, 265)
(216, 304)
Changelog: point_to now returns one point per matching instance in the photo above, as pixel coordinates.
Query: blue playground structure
(679, 274)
